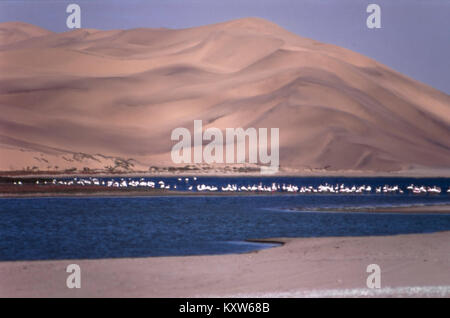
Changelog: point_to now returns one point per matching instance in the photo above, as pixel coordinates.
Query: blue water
(106, 227)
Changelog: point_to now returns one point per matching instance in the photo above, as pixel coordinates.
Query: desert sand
(90, 100)
(411, 265)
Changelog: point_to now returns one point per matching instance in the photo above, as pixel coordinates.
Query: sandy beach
(411, 265)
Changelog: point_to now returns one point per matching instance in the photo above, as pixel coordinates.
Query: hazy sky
(414, 38)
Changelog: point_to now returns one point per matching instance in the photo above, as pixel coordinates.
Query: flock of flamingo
(253, 188)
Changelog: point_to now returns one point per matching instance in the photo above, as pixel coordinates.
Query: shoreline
(300, 267)
(439, 208)
(42, 185)
(135, 193)
(414, 208)
(264, 244)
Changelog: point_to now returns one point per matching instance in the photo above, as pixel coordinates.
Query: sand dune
(118, 94)
(14, 32)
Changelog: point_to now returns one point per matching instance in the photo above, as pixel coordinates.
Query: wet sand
(411, 265)
(444, 208)
(410, 209)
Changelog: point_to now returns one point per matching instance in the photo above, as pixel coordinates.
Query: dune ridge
(117, 95)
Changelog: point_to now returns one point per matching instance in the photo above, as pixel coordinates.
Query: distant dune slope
(89, 99)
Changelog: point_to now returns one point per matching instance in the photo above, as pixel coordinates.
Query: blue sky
(414, 38)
